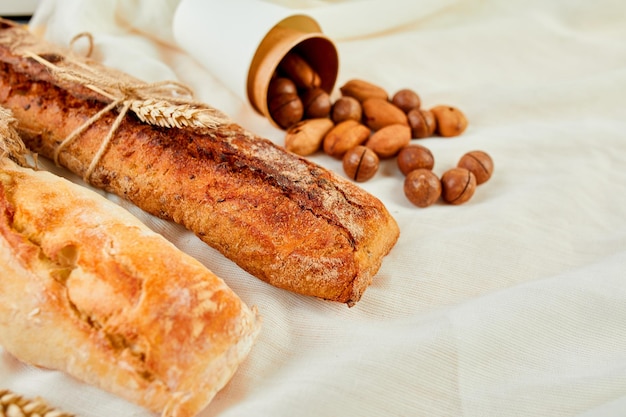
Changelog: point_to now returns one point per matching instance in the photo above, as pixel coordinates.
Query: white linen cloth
(513, 304)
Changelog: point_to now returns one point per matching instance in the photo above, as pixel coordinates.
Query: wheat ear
(13, 405)
(165, 114)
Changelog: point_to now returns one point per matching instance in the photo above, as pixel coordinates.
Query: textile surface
(513, 304)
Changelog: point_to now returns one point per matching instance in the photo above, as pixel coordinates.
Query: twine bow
(166, 104)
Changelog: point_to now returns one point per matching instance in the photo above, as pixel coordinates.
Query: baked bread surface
(280, 217)
(88, 289)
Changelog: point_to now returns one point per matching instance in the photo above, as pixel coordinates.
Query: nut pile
(295, 92)
(365, 125)
(456, 186)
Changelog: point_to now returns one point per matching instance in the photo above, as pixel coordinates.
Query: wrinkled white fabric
(513, 304)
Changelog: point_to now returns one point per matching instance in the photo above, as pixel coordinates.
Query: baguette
(280, 217)
(87, 289)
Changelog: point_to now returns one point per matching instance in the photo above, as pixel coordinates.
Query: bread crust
(88, 289)
(280, 217)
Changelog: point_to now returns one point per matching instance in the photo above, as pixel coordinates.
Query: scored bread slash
(280, 217)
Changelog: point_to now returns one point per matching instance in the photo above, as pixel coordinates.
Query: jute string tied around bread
(168, 104)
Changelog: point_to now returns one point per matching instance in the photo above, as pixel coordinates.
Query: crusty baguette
(280, 217)
(88, 289)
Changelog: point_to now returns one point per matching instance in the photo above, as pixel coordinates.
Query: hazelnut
(406, 100)
(388, 141)
(286, 109)
(422, 123)
(422, 187)
(316, 103)
(457, 185)
(413, 157)
(343, 137)
(378, 113)
(362, 90)
(299, 71)
(360, 163)
(305, 137)
(478, 163)
(450, 120)
(281, 85)
(346, 108)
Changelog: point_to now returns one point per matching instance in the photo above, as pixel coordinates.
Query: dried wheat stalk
(165, 114)
(13, 405)
(11, 145)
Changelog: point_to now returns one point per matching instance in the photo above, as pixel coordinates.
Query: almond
(306, 137)
(299, 71)
(345, 136)
(362, 90)
(450, 120)
(378, 113)
(389, 140)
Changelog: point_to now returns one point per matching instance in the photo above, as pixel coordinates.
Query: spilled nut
(345, 136)
(305, 137)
